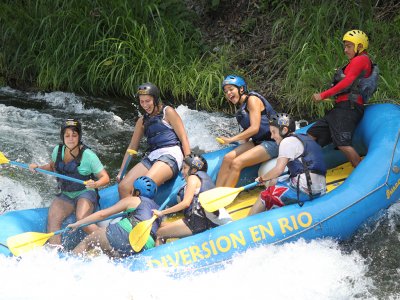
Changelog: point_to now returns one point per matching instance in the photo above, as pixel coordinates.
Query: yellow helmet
(357, 37)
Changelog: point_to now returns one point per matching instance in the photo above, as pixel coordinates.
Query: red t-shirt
(356, 65)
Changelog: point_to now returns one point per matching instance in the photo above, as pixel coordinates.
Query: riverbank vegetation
(286, 49)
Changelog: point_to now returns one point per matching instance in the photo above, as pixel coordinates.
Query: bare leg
(257, 207)
(58, 211)
(249, 158)
(160, 172)
(126, 185)
(96, 239)
(176, 229)
(226, 167)
(351, 154)
(85, 208)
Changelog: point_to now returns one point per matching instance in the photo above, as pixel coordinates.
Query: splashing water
(321, 269)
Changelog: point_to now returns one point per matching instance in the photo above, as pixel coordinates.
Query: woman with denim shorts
(114, 239)
(72, 158)
(166, 139)
(252, 115)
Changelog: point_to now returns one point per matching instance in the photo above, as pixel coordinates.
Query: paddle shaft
(131, 152)
(25, 166)
(128, 160)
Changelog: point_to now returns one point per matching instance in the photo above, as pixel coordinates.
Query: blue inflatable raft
(361, 197)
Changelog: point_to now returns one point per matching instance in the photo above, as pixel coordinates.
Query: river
(366, 267)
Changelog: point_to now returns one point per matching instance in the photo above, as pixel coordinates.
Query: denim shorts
(119, 239)
(168, 159)
(90, 195)
(271, 147)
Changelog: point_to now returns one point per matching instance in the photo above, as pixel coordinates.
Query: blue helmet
(236, 81)
(145, 186)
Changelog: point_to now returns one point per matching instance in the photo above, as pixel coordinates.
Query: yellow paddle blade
(219, 197)
(140, 233)
(219, 140)
(131, 152)
(26, 241)
(3, 159)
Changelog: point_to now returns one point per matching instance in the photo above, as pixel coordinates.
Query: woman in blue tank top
(166, 140)
(253, 116)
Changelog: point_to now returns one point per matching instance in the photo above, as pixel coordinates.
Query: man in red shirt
(339, 124)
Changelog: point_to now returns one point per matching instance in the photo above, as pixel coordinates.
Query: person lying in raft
(304, 159)
(166, 139)
(196, 219)
(72, 158)
(252, 115)
(114, 239)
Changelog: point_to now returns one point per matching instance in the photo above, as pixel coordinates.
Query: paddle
(219, 197)
(27, 241)
(131, 152)
(140, 233)
(5, 160)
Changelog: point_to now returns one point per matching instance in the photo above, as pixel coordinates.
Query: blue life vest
(243, 118)
(157, 133)
(311, 160)
(71, 169)
(144, 212)
(195, 207)
(365, 87)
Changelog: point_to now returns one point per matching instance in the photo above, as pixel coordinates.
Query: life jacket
(144, 212)
(71, 169)
(243, 118)
(195, 207)
(157, 133)
(365, 87)
(138, 214)
(310, 161)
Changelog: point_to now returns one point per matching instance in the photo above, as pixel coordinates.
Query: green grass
(310, 48)
(109, 47)
(103, 47)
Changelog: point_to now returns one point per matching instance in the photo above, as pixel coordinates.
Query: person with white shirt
(167, 141)
(304, 159)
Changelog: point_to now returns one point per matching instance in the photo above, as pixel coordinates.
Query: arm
(48, 167)
(120, 206)
(103, 179)
(192, 184)
(134, 143)
(255, 107)
(276, 171)
(172, 117)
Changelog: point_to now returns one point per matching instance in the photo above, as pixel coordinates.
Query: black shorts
(198, 224)
(338, 125)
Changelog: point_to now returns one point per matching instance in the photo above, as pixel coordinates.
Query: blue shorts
(168, 159)
(271, 147)
(90, 195)
(119, 240)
